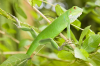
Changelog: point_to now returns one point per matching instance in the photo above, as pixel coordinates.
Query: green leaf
(79, 54)
(19, 10)
(98, 33)
(59, 10)
(24, 42)
(96, 58)
(78, 63)
(84, 32)
(60, 41)
(3, 48)
(66, 55)
(50, 18)
(16, 60)
(8, 29)
(92, 62)
(92, 4)
(73, 37)
(77, 24)
(90, 32)
(33, 2)
(84, 53)
(97, 2)
(11, 31)
(34, 14)
(91, 43)
(5, 26)
(30, 62)
(38, 2)
(5, 14)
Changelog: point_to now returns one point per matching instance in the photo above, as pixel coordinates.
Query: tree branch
(41, 55)
(2, 32)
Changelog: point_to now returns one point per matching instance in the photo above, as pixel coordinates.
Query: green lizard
(57, 26)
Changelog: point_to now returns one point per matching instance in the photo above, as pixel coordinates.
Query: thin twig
(2, 32)
(77, 27)
(41, 14)
(15, 52)
(41, 55)
(47, 3)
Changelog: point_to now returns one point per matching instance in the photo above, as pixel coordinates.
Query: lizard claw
(61, 48)
(17, 25)
(18, 22)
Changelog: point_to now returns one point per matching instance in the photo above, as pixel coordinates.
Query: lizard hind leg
(49, 40)
(53, 43)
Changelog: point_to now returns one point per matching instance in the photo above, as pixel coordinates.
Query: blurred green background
(11, 36)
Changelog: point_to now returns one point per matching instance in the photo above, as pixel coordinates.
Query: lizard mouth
(74, 17)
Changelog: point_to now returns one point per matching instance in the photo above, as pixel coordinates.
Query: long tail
(33, 46)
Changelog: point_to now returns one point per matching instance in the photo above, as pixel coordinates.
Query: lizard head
(74, 13)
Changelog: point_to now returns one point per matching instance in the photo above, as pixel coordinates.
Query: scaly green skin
(57, 26)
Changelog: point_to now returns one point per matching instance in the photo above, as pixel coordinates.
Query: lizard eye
(74, 7)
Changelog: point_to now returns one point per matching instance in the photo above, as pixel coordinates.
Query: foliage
(16, 60)
(86, 51)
